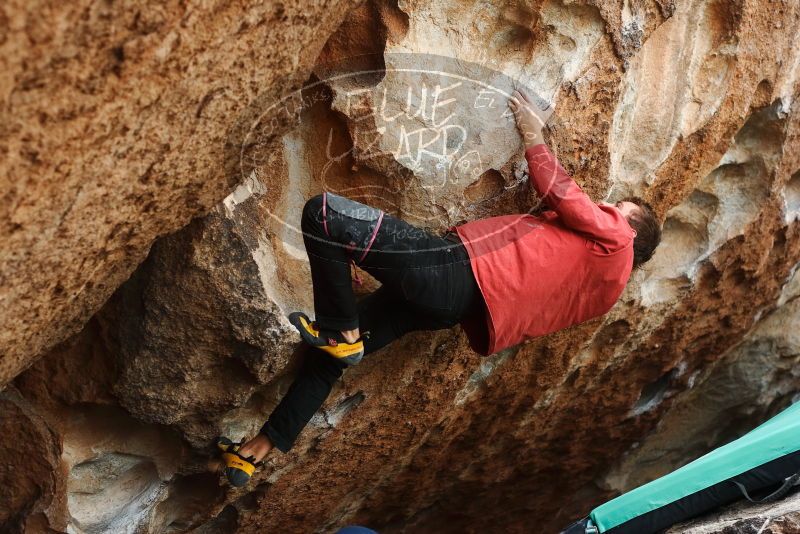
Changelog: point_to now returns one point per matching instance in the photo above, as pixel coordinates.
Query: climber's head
(643, 220)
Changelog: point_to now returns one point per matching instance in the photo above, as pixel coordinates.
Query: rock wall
(691, 105)
(118, 125)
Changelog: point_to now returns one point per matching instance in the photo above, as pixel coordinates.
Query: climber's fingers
(519, 103)
(545, 109)
(525, 99)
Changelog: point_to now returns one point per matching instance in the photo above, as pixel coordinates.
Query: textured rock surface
(116, 123)
(204, 335)
(691, 105)
(750, 382)
(25, 435)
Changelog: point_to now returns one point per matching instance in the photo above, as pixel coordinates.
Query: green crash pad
(775, 438)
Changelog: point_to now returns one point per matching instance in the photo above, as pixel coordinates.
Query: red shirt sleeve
(603, 224)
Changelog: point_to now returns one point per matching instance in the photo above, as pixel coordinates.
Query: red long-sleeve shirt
(540, 274)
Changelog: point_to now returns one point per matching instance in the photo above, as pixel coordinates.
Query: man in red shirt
(504, 279)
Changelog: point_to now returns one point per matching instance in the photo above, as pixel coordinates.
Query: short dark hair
(648, 231)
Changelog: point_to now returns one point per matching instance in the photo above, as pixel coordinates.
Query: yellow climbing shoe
(238, 469)
(329, 341)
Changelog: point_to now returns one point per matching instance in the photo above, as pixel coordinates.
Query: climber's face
(626, 208)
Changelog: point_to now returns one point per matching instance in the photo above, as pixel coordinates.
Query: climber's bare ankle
(258, 447)
(350, 335)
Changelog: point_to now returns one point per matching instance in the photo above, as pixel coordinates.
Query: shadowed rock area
(155, 164)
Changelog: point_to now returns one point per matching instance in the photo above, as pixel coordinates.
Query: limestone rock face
(745, 386)
(118, 122)
(26, 440)
(205, 335)
(692, 106)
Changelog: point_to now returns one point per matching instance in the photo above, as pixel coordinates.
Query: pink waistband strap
(325, 213)
(371, 239)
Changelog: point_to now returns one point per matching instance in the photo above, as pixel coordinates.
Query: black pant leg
(334, 302)
(305, 396)
(319, 371)
(431, 273)
(387, 317)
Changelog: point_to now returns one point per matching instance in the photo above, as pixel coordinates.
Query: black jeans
(426, 284)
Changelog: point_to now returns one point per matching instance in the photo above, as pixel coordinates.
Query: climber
(505, 279)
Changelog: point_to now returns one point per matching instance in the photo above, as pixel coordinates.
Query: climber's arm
(531, 114)
(559, 191)
(573, 206)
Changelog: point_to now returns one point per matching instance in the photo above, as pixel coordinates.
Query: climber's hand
(531, 115)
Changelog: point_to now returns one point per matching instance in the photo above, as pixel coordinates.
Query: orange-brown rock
(118, 122)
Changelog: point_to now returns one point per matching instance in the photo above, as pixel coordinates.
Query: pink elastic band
(324, 213)
(371, 239)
